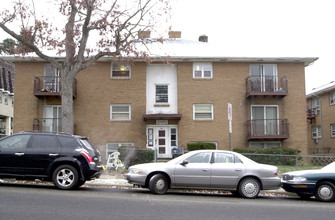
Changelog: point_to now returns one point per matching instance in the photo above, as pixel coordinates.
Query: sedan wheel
(325, 192)
(249, 188)
(65, 177)
(158, 184)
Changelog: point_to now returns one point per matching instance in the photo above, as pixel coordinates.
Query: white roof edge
(306, 60)
(321, 90)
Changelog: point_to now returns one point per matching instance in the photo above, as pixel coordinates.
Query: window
(315, 105)
(202, 70)
(203, 112)
(173, 138)
(264, 77)
(150, 137)
(114, 146)
(162, 94)
(332, 98)
(44, 141)
(316, 132)
(264, 120)
(265, 144)
(6, 99)
(120, 71)
(200, 158)
(16, 141)
(120, 112)
(332, 130)
(223, 158)
(51, 79)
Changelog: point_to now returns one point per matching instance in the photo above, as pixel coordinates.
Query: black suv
(66, 160)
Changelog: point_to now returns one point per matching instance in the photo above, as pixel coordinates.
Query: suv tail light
(87, 156)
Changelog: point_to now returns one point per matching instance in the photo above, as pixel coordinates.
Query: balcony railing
(268, 129)
(266, 86)
(47, 124)
(50, 86)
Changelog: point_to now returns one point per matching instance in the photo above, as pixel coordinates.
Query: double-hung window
(120, 71)
(162, 94)
(316, 132)
(203, 112)
(332, 130)
(120, 112)
(332, 98)
(202, 70)
(316, 105)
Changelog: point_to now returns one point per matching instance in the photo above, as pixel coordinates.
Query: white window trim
(204, 119)
(120, 77)
(332, 130)
(162, 103)
(318, 133)
(129, 112)
(201, 66)
(332, 98)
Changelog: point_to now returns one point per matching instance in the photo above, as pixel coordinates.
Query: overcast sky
(270, 28)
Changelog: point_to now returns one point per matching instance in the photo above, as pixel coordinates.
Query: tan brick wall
(97, 91)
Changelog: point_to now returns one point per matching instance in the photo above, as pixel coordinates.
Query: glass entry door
(265, 120)
(52, 118)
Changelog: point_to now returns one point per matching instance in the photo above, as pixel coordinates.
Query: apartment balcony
(53, 125)
(50, 86)
(266, 86)
(268, 129)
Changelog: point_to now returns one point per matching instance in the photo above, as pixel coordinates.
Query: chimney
(203, 38)
(174, 34)
(144, 34)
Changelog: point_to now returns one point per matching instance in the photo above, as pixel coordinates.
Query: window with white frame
(332, 130)
(162, 94)
(202, 70)
(316, 105)
(120, 71)
(316, 132)
(203, 112)
(332, 98)
(120, 112)
(114, 147)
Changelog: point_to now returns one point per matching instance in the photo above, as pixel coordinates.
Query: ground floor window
(316, 132)
(332, 130)
(264, 144)
(114, 146)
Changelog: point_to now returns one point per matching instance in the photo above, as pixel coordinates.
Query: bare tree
(92, 29)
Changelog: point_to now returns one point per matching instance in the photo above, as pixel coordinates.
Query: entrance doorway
(162, 139)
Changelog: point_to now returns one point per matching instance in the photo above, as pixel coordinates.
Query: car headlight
(135, 171)
(299, 178)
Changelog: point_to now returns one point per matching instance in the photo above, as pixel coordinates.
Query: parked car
(66, 160)
(206, 169)
(307, 183)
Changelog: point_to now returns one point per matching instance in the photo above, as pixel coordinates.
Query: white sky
(269, 28)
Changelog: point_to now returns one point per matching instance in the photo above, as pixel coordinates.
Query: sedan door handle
(205, 170)
(19, 154)
(53, 155)
(238, 169)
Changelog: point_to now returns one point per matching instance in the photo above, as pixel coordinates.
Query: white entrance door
(162, 139)
(162, 143)
(52, 121)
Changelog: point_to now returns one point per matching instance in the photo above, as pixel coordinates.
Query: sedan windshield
(329, 167)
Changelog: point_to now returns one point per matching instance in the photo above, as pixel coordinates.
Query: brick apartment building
(6, 97)
(162, 105)
(321, 118)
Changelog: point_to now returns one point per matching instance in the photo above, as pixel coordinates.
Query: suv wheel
(65, 177)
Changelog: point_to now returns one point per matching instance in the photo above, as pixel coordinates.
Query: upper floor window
(162, 94)
(316, 105)
(203, 112)
(332, 98)
(120, 70)
(120, 112)
(202, 70)
(332, 130)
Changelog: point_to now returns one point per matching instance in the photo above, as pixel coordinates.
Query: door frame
(152, 139)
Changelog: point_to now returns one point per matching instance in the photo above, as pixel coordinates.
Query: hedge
(271, 158)
(135, 155)
(200, 146)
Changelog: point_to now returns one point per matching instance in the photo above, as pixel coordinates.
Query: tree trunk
(67, 102)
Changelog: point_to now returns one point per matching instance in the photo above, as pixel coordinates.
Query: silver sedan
(207, 169)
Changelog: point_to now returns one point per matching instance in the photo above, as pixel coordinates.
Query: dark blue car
(307, 183)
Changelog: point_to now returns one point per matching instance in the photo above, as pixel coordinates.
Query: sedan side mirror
(184, 162)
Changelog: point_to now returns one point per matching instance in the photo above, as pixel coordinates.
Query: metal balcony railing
(266, 86)
(50, 86)
(268, 129)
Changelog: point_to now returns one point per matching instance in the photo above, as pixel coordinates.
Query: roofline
(306, 60)
(320, 92)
